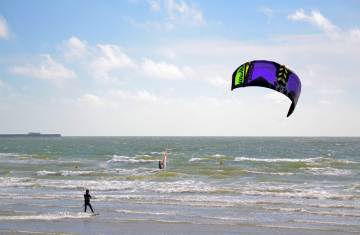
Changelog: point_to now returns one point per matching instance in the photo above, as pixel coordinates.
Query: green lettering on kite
(240, 74)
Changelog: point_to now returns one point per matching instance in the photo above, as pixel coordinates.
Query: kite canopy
(270, 75)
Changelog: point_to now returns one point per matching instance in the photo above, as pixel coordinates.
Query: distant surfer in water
(87, 197)
(160, 165)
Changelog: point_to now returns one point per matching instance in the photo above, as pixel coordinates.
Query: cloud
(146, 96)
(112, 58)
(74, 48)
(146, 26)
(174, 12)
(4, 86)
(275, 97)
(49, 70)
(91, 100)
(120, 93)
(353, 35)
(218, 81)
(325, 102)
(181, 12)
(170, 90)
(139, 96)
(330, 89)
(317, 19)
(168, 26)
(4, 30)
(307, 80)
(169, 53)
(155, 5)
(268, 12)
(149, 25)
(188, 72)
(162, 70)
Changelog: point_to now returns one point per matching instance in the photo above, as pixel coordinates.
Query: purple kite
(270, 75)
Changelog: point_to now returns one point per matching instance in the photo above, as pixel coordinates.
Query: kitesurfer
(87, 197)
(160, 165)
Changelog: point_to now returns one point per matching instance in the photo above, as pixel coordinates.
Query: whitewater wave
(40, 173)
(342, 214)
(157, 153)
(48, 216)
(145, 212)
(63, 173)
(301, 160)
(74, 173)
(306, 160)
(126, 159)
(197, 159)
(328, 171)
(218, 155)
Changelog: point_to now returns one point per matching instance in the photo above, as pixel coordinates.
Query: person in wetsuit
(87, 197)
(160, 165)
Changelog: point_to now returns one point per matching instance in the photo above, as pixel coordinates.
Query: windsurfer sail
(164, 160)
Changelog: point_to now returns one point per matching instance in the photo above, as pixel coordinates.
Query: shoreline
(103, 226)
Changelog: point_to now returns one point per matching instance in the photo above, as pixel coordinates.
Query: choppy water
(292, 183)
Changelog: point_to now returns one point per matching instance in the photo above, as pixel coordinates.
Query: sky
(164, 67)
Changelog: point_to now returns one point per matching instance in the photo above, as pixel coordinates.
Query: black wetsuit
(160, 166)
(87, 202)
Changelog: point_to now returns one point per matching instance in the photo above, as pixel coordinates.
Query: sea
(211, 185)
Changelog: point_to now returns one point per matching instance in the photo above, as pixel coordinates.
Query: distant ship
(31, 134)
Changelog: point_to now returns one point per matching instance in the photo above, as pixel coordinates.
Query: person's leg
(91, 208)
(85, 207)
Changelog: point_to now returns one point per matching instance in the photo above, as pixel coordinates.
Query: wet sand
(100, 226)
